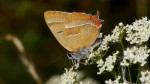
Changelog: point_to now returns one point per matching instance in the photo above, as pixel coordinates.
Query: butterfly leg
(74, 60)
(96, 43)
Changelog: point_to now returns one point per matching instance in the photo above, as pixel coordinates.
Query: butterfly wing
(72, 30)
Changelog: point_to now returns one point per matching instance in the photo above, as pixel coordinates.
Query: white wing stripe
(70, 26)
(73, 35)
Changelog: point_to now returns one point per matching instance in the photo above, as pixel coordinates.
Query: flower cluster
(135, 55)
(116, 33)
(116, 81)
(114, 37)
(80, 79)
(139, 31)
(69, 76)
(108, 65)
(145, 77)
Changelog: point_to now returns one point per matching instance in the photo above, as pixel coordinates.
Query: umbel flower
(116, 81)
(114, 37)
(137, 34)
(139, 31)
(135, 55)
(145, 77)
(108, 65)
(110, 38)
(69, 76)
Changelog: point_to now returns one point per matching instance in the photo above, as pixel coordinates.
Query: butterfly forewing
(72, 30)
(54, 17)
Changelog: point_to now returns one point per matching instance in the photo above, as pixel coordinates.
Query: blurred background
(24, 19)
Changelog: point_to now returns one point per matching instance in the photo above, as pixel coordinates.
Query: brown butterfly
(76, 32)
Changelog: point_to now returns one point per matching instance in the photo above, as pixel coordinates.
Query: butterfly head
(81, 54)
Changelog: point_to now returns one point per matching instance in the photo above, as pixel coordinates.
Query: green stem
(122, 45)
(124, 68)
(129, 74)
(137, 79)
(105, 53)
(114, 73)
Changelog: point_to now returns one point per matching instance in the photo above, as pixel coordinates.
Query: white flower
(116, 81)
(114, 37)
(108, 65)
(124, 63)
(100, 63)
(139, 31)
(104, 44)
(117, 32)
(109, 81)
(121, 24)
(80, 79)
(145, 77)
(91, 56)
(68, 77)
(135, 55)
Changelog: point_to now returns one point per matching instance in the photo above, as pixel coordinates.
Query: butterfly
(76, 32)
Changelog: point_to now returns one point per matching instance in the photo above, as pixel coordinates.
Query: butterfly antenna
(97, 14)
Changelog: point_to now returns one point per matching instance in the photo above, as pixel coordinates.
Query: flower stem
(137, 79)
(104, 53)
(122, 45)
(123, 68)
(129, 74)
(114, 73)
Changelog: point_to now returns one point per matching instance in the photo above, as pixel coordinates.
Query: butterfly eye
(69, 55)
